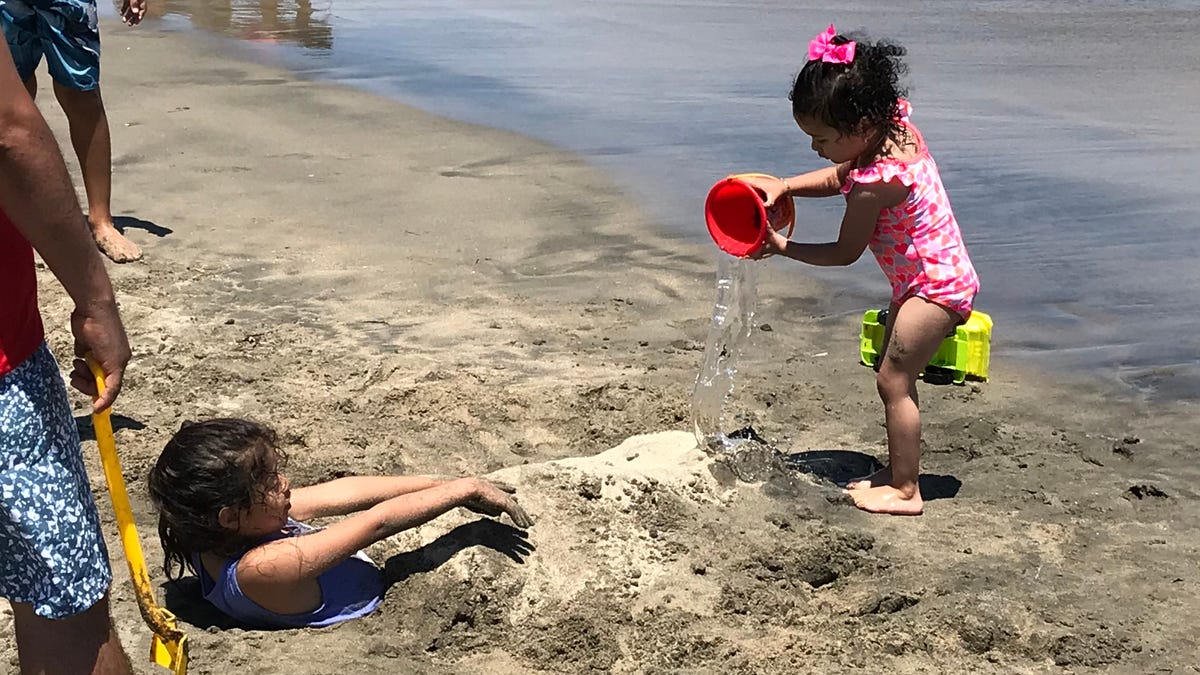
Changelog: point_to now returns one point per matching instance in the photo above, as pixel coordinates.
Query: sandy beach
(396, 292)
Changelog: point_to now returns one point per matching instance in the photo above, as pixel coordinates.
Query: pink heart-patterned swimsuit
(918, 243)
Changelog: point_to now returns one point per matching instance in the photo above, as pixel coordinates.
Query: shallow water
(1066, 132)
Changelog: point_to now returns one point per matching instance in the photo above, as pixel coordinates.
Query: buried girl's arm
(351, 494)
(274, 565)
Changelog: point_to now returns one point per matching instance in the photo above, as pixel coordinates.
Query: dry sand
(400, 293)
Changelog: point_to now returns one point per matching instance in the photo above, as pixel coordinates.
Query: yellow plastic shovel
(168, 647)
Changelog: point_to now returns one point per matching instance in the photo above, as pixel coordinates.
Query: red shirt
(20, 324)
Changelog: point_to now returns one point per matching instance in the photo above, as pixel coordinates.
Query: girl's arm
(863, 205)
(273, 567)
(353, 493)
(825, 182)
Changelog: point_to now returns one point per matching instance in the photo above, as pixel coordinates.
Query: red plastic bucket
(736, 218)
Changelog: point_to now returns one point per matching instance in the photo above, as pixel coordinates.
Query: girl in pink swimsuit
(848, 100)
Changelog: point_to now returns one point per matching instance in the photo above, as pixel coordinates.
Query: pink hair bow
(822, 48)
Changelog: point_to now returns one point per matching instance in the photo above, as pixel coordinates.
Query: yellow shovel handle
(158, 619)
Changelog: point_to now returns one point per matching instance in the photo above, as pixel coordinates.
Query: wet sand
(399, 293)
(1079, 215)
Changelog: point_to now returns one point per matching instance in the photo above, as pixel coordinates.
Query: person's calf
(84, 643)
(93, 146)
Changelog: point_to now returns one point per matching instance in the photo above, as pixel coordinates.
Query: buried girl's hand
(494, 499)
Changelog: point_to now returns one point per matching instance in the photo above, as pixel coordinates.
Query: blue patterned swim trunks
(52, 552)
(64, 31)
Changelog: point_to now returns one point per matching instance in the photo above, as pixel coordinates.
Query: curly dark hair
(204, 467)
(852, 96)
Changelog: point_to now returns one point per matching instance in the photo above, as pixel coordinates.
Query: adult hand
(98, 332)
(133, 11)
(494, 499)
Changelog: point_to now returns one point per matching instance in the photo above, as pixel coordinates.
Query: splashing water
(732, 324)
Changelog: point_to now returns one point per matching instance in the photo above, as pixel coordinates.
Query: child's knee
(891, 383)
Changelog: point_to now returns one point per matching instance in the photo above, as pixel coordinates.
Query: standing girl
(848, 100)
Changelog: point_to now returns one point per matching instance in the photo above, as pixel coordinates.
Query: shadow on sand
(86, 433)
(123, 223)
(842, 466)
(512, 542)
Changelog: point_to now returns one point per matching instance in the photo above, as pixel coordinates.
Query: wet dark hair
(204, 467)
(851, 96)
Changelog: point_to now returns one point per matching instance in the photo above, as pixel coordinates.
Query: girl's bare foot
(887, 499)
(114, 244)
(880, 477)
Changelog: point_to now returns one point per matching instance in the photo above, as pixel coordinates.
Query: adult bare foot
(880, 477)
(114, 244)
(887, 499)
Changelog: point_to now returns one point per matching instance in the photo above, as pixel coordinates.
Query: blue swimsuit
(352, 589)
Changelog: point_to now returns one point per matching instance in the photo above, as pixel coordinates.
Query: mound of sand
(604, 525)
(621, 572)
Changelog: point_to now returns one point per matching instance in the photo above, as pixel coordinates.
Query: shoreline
(1131, 379)
(398, 292)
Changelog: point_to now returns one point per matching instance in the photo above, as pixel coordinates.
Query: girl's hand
(775, 217)
(773, 244)
(770, 189)
(494, 499)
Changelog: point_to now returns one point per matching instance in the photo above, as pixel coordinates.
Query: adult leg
(917, 331)
(93, 146)
(53, 562)
(84, 643)
(31, 85)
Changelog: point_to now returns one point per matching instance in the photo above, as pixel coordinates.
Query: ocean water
(1067, 132)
